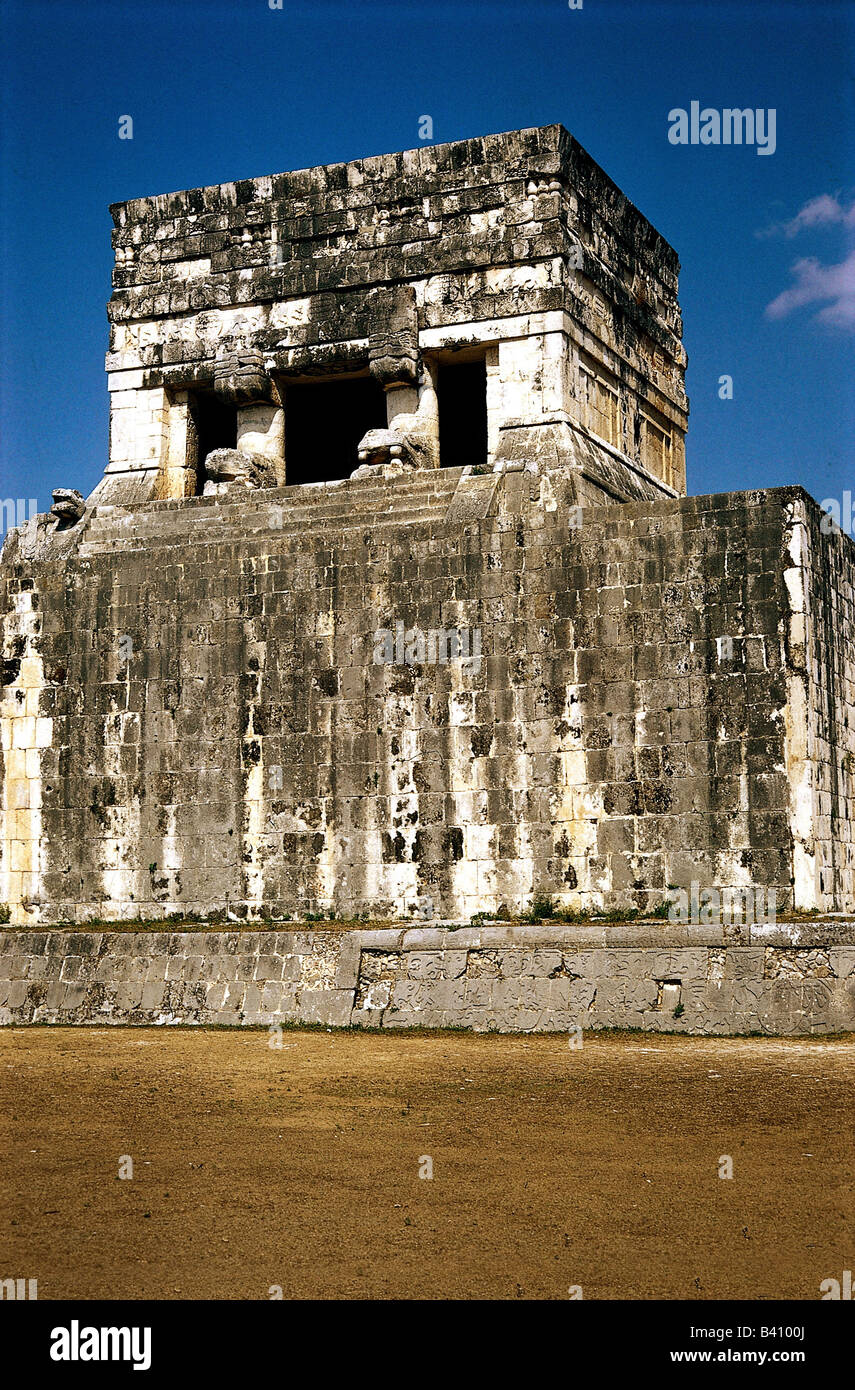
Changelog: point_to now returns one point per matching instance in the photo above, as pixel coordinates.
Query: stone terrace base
(789, 979)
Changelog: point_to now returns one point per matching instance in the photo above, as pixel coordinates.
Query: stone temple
(391, 600)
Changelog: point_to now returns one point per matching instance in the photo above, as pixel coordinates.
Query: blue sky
(222, 91)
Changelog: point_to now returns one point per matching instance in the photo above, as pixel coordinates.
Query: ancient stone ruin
(390, 600)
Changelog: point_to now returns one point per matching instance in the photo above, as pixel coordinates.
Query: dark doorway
(462, 394)
(324, 422)
(216, 428)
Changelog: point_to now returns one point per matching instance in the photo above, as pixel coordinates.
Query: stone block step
(321, 509)
(363, 494)
(139, 536)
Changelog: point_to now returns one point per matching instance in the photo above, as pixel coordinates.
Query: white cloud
(826, 210)
(815, 284)
(823, 211)
(831, 286)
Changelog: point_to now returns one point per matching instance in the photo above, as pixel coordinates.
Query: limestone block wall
(789, 980)
(198, 713)
(518, 245)
(139, 423)
(820, 712)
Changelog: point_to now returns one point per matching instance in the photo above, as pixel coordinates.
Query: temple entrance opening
(462, 396)
(216, 428)
(324, 422)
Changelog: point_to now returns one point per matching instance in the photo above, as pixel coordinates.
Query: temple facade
(474, 303)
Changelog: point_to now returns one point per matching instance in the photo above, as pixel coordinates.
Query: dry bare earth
(299, 1167)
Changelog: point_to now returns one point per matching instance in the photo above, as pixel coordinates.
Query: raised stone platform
(197, 714)
(788, 979)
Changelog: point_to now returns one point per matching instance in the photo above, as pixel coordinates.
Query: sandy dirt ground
(553, 1167)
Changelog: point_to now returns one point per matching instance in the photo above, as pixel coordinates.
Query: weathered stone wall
(391, 217)
(819, 718)
(194, 715)
(788, 980)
